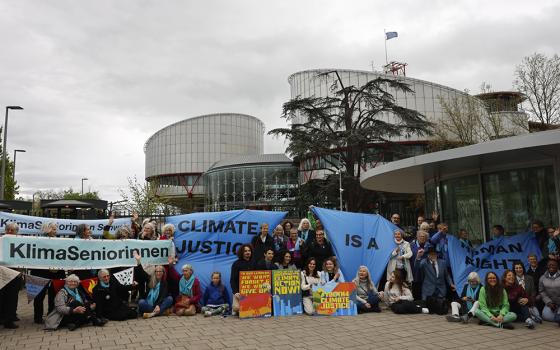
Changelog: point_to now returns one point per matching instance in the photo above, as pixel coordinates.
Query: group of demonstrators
(418, 279)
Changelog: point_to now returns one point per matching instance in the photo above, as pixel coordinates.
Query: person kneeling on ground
(158, 301)
(367, 298)
(216, 297)
(186, 303)
(107, 297)
(465, 308)
(398, 297)
(72, 308)
(494, 305)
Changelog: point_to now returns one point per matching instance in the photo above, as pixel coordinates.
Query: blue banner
(80, 254)
(496, 255)
(359, 239)
(209, 241)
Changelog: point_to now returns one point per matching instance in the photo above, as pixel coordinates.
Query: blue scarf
(185, 287)
(304, 234)
(296, 247)
(103, 284)
(74, 294)
(153, 295)
(472, 294)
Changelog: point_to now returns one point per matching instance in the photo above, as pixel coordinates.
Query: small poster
(335, 299)
(256, 298)
(286, 290)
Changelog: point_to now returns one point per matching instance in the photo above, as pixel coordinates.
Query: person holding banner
(261, 244)
(244, 262)
(526, 282)
(439, 241)
(398, 297)
(309, 279)
(285, 262)
(549, 289)
(494, 304)
(517, 298)
(158, 301)
(107, 297)
(367, 297)
(216, 297)
(468, 302)
(331, 272)
(73, 308)
(320, 249)
(148, 231)
(186, 303)
(296, 246)
(400, 258)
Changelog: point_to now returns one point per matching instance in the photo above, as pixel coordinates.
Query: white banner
(31, 225)
(6, 275)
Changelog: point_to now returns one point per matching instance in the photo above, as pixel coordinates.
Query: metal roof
(408, 175)
(273, 158)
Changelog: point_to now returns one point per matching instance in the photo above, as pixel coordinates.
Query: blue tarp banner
(359, 239)
(209, 241)
(496, 255)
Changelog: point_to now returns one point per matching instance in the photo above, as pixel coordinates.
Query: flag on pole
(7, 275)
(34, 285)
(125, 277)
(391, 35)
(89, 284)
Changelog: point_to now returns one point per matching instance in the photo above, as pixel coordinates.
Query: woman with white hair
(400, 258)
(148, 231)
(468, 302)
(305, 231)
(367, 297)
(107, 297)
(168, 232)
(73, 308)
(187, 302)
(157, 300)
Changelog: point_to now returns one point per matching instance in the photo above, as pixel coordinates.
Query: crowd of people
(418, 279)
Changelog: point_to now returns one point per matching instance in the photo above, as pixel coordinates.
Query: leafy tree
(538, 77)
(143, 198)
(349, 122)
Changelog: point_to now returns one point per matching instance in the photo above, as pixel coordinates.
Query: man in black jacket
(243, 263)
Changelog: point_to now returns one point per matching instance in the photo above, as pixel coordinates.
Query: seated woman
(157, 301)
(186, 303)
(216, 297)
(549, 289)
(285, 262)
(398, 297)
(309, 279)
(367, 298)
(493, 304)
(400, 258)
(107, 297)
(526, 282)
(331, 272)
(72, 308)
(517, 298)
(468, 302)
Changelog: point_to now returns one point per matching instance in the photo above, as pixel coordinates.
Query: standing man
(435, 279)
(243, 263)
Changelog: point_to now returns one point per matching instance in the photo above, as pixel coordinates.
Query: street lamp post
(5, 148)
(15, 154)
(83, 179)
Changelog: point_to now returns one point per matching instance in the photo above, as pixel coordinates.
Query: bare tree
(538, 77)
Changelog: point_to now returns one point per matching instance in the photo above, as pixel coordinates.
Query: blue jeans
(373, 300)
(144, 306)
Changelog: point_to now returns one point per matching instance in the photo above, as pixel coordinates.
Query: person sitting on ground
(517, 298)
(215, 300)
(320, 249)
(526, 282)
(331, 272)
(435, 279)
(107, 297)
(398, 297)
(243, 263)
(309, 279)
(158, 301)
(297, 247)
(367, 297)
(400, 257)
(268, 262)
(493, 304)
(465, 308)
(286, 261)
(187, 302)
(549, 290)
(73, 308)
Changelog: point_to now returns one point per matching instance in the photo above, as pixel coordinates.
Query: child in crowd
(216, 297)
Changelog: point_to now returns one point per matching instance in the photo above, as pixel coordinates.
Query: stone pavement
(385, 330)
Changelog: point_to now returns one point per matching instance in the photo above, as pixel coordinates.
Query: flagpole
(385, 38)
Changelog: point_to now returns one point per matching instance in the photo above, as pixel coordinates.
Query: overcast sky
(97, 78)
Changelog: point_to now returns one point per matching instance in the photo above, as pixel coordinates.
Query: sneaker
(465, 319)
(536, 319)
(147, 315)
(72, 327)
(507, 326)
(529, 323)
(425, 310)
(207, 313)
(453, 318)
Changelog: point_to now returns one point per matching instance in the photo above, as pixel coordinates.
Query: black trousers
(406, 307)
(9, 300)
(38, 302)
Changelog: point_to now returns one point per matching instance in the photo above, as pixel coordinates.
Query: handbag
(183, 301)
(305, 293)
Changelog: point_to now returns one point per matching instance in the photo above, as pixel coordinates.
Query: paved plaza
(371, 331)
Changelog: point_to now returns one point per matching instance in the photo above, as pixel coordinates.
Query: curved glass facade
(251, 186)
